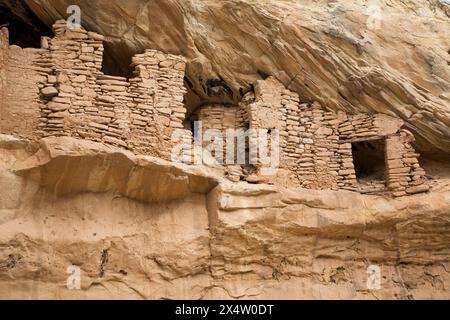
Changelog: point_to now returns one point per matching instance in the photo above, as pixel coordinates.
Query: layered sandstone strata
(355, 56)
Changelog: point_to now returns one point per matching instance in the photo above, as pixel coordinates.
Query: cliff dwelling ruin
(60, 90)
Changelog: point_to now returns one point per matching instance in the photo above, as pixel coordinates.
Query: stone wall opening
(370, 164)
(115, 64)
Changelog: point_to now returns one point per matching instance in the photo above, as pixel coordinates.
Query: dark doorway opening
(370, 165)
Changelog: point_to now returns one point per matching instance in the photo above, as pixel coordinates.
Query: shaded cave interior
(369, 160)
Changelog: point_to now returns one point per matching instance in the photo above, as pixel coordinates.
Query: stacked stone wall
(60, 90)
(77, 99)
(316, 145)
(220, 118)
(21, 75)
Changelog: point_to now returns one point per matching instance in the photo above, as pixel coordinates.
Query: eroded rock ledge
(67, 166)
(233, 240)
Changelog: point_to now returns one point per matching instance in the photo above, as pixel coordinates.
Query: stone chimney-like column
(4, 38)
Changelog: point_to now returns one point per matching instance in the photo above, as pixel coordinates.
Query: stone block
(54, 106)
(346, 172)
(86, 58)
(49, 92)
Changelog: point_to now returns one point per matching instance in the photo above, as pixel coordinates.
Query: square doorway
(369, 160)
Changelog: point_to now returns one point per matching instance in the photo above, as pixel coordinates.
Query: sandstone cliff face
(141, 227)
(383, 56)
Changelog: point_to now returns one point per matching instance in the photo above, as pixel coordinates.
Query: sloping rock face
(383, 56)
(71, 202)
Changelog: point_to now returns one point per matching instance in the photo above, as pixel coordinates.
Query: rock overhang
(66, 166)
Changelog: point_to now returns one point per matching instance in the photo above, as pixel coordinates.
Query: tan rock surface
(383, 56)
(235, 241)
(140, 227)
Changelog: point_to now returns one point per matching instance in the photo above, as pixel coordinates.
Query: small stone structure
(60, 90)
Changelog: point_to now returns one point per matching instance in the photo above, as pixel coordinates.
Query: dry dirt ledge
(140, 227)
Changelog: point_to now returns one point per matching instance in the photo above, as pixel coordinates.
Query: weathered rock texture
(142, 114)
(84, 173)
(71, 204)
(383, 56)
(64, 82)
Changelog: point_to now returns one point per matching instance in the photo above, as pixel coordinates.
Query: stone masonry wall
(70, 98)
(218, 117)
(353, 128)
(20, 73)
(309, 156)
(79, 100)
(221, 117)
(311, 146)
(403, 169)
(316, 144)
(158, 93)
(264, 113)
